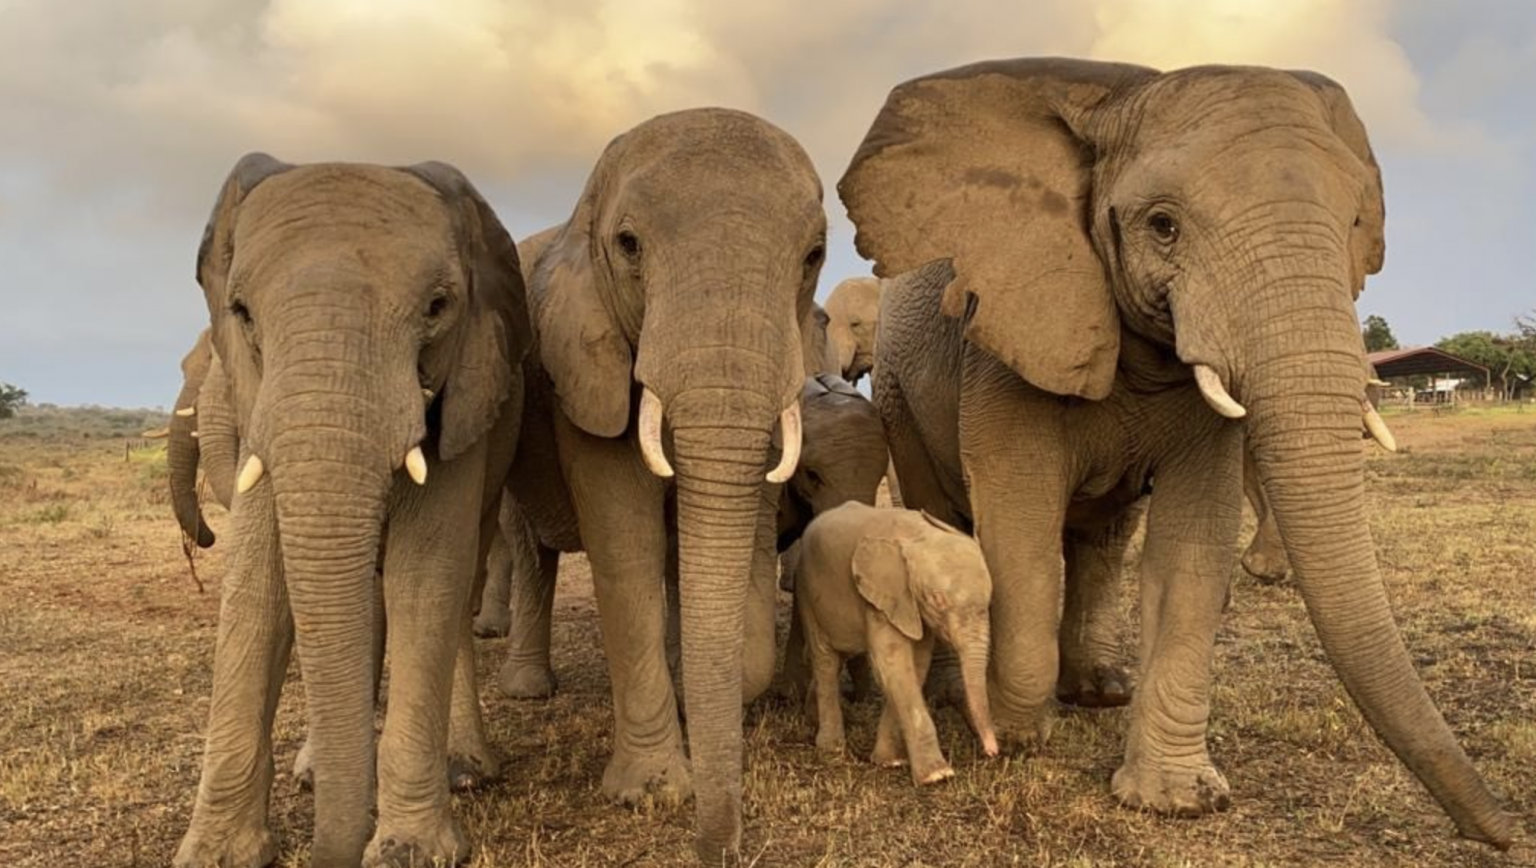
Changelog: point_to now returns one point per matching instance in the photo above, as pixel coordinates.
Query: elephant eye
(437, 305)
(1164, 228)
(629, 243)
(240, 312)
(814, 258)
(813, 478)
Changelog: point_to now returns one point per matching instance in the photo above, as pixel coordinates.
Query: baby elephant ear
(981, 165)
(880, 574)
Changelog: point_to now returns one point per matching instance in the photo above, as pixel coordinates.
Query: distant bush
(50, 422)
(12, 398)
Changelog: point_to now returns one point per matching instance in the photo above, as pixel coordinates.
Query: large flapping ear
(979, 165)
(1368, 240)
(581, 345)
(880, 573)
(496, 330)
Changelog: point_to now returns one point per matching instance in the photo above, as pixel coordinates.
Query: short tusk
(790, 422)
(1377, 382)
(1378, 428)
(651, 413)
(416, 465)
(1215, 393)
(194, 435)
(427, 395)
(250, 474)
(184, 412)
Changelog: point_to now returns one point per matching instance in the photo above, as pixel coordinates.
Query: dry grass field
(106, 648)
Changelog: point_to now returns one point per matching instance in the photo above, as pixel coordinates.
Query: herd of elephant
(1100, 288)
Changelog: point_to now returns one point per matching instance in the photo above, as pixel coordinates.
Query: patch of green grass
(52, 513)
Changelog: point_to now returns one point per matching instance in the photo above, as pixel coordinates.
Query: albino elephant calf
(888, 582)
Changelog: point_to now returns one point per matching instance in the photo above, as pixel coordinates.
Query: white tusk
(651, 414)
(184, 412)
(1378, 429)
(1215, 393)
(194, 435)
(416, 465)
(789, 420)
(1377, 382)
(250, 474)
(427, 394)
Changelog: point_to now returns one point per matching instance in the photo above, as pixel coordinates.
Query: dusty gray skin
(369, 324)
(853, 313)
(670, 304)
(1119, 262)
(889, 582)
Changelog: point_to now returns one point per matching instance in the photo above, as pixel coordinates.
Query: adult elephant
(853, 311)
(667, 311)
(1113, 266)
(370, 323)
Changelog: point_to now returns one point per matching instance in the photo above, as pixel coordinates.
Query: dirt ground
(106, 648)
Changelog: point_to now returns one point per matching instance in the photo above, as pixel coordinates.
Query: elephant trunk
(181, 459)
(1304, 430)
(720, 470)
(218, 435)
(972, 645)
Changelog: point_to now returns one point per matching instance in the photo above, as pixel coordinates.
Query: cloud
(122, 119)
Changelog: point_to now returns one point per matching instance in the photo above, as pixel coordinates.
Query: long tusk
(651, 414)
(1378, 428)
(1374, 381)
(416, 465)
(1215, 393)
(790, 422)
(250, 474)
(184, 412)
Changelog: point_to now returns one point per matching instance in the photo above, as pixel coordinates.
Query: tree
(11, 397)
(1378, 335)
(1503, 355)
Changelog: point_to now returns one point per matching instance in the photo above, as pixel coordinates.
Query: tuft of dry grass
(106, 652)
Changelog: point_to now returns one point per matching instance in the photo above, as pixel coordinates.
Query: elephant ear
(980, 166)
(880, 572)
(496, 331)
(581, 345)
(1368, 239)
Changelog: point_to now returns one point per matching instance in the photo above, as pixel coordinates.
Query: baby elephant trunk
(971, 645)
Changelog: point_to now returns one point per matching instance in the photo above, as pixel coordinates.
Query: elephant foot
(1178, 791)
(830, 743)
(495, 623)
(1101, 686)
(1269, 568)
(473, 769)
(304, 768)
(663, 775)
(248, 846)
(932, 774)
(527, 680)
(443, 844)
(1023, 729)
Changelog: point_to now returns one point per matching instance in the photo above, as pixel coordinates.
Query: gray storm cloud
(122, 118)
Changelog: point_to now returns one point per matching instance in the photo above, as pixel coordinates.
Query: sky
(119, 122)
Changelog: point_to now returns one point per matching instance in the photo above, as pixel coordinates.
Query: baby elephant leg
(898, 662)
(826, 663)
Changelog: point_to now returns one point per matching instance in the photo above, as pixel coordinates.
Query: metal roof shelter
(1425, 361)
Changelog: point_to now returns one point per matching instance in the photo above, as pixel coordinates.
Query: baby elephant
(888, 582)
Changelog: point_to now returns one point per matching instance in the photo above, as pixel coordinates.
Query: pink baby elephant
(889, 582)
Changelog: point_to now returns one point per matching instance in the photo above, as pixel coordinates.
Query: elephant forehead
(345, 200)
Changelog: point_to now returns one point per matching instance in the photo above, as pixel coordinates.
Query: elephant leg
(229, 819)
(1191, 545)
(619, 505)
(1265, 558)
(493, 618)
(1092, 672)
(430, 564)
(890, 749)
(899, 663)
(1014, 446)
(921, 487)
(528, 672)
(795, 679)
(825, 663)
(760, 622)
(472, 762)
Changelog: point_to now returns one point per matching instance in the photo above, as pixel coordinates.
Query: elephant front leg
(1186, 568)
(472, 762)
(900, 665)
(619, 507)
(430, 566)
(1093, 674)
(493, 617)
(229, 820)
